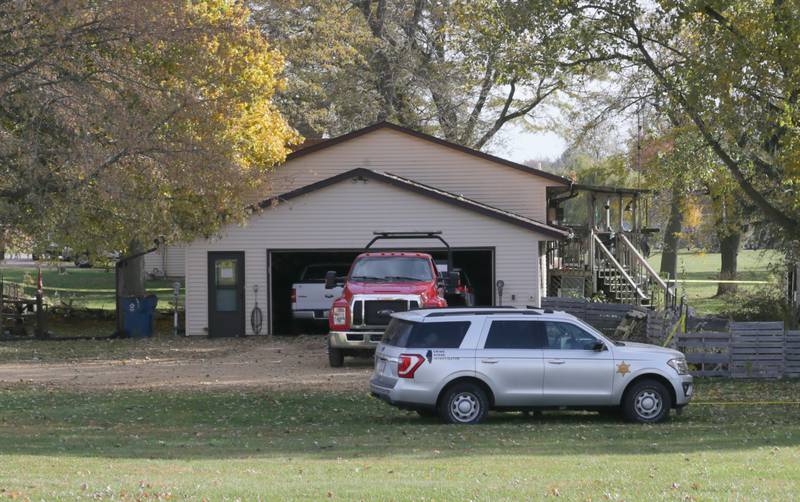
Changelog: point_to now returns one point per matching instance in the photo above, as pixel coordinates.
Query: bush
(766, 304)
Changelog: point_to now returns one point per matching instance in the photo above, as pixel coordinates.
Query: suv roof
(423, 314)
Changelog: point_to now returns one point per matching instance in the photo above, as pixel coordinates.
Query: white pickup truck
(310, 300)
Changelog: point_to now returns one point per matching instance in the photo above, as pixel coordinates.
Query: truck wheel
(464, 403)
(647, 402)
(335, 357)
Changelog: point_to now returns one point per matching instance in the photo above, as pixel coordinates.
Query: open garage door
(286, 268)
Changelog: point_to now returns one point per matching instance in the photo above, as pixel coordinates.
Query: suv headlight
(679, 365)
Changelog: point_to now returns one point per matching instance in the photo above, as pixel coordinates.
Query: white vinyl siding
(414, 158)
(169, 260)
(344, 216)
(423, 161)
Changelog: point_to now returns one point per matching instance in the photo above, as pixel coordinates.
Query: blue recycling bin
(137, 315)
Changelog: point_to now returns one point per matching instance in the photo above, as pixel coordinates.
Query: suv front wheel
(464, 403)
(647, 402)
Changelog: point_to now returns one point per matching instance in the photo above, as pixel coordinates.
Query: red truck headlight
(339, 317)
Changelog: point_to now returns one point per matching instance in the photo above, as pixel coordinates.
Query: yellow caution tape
(749, 403)
(716, 281)
(75, 290)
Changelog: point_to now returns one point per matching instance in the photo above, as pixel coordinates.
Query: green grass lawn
(696, 265)
(94, 283)
(213, 445)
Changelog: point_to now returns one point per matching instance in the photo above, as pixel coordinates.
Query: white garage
(380, 179)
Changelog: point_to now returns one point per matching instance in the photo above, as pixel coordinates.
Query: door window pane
(226, 272)
(566, 336)
(226, 300)
(516, 335)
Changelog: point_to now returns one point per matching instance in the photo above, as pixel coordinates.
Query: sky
(519, 145)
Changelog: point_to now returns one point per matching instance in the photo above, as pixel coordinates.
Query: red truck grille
(378, 312)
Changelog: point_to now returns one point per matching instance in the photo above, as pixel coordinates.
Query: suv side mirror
(599, 347)
(330, 279)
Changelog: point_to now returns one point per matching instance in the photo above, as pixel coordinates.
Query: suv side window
(516, 335)
(566, 336)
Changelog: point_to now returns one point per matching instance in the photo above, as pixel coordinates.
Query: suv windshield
(429, 335)
(392, 269)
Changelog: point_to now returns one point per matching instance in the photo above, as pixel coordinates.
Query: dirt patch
(173, 362)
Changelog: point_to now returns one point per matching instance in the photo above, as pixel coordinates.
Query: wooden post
(41, 320)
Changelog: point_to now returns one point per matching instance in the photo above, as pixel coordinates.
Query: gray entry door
(226, 293)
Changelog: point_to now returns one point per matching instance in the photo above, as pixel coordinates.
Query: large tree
(732, 69)
(434, 65)
(123, 121)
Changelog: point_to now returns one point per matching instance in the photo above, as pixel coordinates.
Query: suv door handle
(490, 361)
(556, 361)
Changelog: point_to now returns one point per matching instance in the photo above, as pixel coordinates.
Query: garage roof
(321, 145)
(426, 190)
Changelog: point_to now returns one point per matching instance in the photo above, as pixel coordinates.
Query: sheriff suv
(461, 363)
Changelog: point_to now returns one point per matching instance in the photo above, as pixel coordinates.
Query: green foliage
(129, 120)
(728, 69)
(762, 304)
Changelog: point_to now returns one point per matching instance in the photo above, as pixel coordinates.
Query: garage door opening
(287, 268)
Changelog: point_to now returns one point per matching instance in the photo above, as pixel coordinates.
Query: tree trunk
(729, 247)
(669, 255)
(132, 272)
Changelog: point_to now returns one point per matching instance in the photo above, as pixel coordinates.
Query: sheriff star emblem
(623, 368)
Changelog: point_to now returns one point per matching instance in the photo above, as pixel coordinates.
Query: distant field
(94, 285)
(753, 266)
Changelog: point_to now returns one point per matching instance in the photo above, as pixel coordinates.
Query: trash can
(137, 315)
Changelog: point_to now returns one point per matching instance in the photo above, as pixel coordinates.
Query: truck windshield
(392, 269)
(428, 335)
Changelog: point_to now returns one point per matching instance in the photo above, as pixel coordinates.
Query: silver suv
(460, 363)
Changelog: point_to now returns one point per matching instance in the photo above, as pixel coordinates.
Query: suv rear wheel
(647, 402)
(464, 403)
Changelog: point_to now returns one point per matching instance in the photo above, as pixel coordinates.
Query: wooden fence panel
(791, 364)
(707, 352)
(604, 317)
(757, 349)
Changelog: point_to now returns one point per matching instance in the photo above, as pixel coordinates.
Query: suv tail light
(294, 295)
(408, 364)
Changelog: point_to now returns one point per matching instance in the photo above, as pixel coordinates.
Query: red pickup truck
(379, 284)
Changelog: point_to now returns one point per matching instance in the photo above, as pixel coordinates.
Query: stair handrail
(647, 266)
(619, 267)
